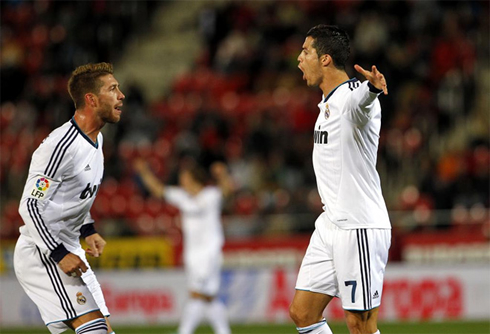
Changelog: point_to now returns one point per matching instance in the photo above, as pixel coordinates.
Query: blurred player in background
(200, 206)
(64, 176)
(348, 250)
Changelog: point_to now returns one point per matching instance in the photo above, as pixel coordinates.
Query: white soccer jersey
(345, 148)
(201, 219)
(203, 236)
(64, 176)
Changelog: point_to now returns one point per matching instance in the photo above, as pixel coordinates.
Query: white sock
(218, 317)
(192, 315)
(320, 327)
(97, 326)
(377, 332)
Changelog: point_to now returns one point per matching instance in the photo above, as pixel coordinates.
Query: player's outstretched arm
(220, 173)
(150, 181)
(375, 77)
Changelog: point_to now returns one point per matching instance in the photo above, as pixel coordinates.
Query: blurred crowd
(244, 103)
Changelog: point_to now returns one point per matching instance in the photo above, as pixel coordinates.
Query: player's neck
(88, 124)
(195, 189)
(332, 79)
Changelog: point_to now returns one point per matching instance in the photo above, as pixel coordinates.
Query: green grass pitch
(456, 327)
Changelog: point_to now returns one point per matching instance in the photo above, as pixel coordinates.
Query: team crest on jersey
(81, 298)
(327, 111)
(39, 190)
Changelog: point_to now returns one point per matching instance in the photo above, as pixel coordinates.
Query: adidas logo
(376, 295)
(87, 168)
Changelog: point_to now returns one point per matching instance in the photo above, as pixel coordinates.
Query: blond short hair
(85, 79)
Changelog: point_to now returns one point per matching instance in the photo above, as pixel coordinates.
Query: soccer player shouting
(64, 176)
(348, 250)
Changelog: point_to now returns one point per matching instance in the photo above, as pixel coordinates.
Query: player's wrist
(59, 253)
(87, 230)
(373, 89)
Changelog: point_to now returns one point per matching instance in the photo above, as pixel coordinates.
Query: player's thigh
(59, 297)
(204, 276)
(360, 258)
(307, 307)
(84, 318)
(317, 272)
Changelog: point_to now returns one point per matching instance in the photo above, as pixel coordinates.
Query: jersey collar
(96, 144)
(325, 99)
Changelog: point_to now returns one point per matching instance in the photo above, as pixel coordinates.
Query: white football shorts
(349, 264)
(59, 297)
(203, 272)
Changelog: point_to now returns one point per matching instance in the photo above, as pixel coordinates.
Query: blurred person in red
(200, 205)
(348, 250)
(64, 176)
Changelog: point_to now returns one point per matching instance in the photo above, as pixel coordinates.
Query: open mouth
(118, 108)
(304, 76)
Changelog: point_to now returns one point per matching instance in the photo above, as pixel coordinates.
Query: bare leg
(198, 295)
(109, 328)
(362, 322)
(307, 307)
(77, 322)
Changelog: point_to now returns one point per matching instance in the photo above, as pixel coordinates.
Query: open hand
(140, 165)
(218, 169)
(375, 77)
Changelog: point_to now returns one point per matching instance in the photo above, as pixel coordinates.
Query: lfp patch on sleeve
(40, 188)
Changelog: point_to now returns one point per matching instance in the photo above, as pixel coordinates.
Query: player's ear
(325, 60)
(90, 100)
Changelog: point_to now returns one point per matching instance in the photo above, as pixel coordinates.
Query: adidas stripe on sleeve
(60, 190)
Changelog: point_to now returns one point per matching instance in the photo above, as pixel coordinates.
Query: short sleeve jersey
(346, 137)
(64, 176)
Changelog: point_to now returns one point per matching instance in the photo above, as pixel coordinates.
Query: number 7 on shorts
(354, 286)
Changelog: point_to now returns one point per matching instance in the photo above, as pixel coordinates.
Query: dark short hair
(197, 172)
(85, 79)
(333, 41)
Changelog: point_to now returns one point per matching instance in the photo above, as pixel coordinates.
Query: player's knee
(294, 313)
(301, 316)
